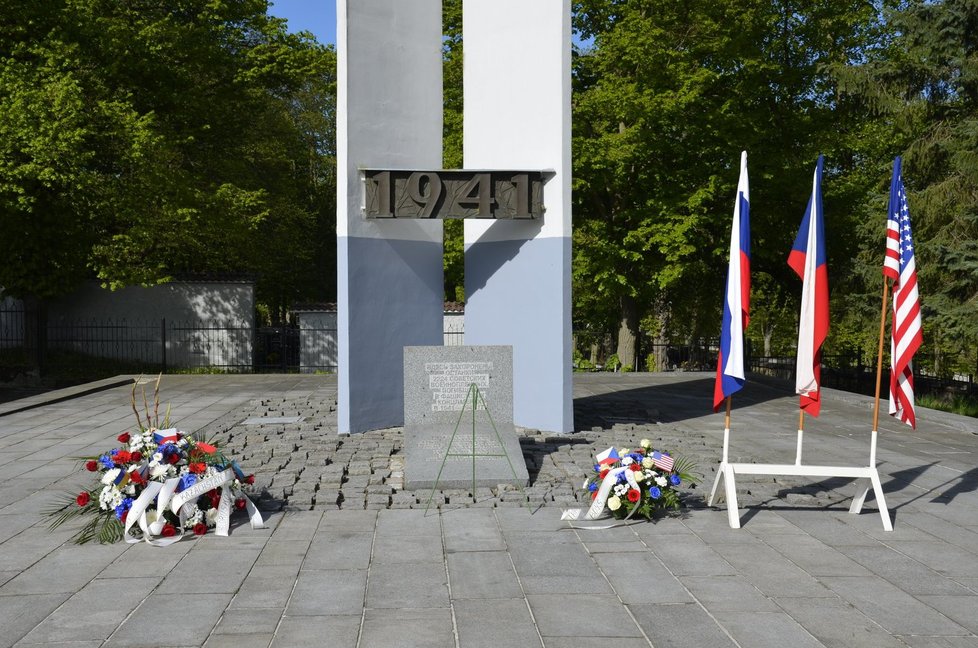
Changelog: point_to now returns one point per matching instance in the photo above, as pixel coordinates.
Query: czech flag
(736, 301)
(808, 260)
(608, 457)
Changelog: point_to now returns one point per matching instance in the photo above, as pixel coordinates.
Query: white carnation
(110, 476)
(627, 461)
(661, 481)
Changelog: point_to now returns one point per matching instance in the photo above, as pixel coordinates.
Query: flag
(736, 301)
(662, 461)
(901, 266)
(609, 456)
(808, 260)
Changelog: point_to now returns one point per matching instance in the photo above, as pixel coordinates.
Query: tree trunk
(768, 332)
(660, 343)
(628, 332)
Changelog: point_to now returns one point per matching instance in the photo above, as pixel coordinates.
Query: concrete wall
(207, 323)
(317, 341)
(389, 272)
(517, 273)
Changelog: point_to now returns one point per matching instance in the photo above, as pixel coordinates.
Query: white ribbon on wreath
(164, 495)
(598, 510)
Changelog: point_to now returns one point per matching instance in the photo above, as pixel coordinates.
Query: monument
(515, 195)
(458, 418)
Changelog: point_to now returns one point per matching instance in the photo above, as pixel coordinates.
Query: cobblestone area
(306, 465)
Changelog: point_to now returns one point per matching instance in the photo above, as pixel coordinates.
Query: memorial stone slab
(437, 382)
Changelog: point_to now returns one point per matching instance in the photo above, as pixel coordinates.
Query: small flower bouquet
(158, 485)
(640, 482)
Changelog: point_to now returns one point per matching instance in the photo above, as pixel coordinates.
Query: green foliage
(140, 140)
(962, 404)
(664, 101)
(454, 256)
(102, 526)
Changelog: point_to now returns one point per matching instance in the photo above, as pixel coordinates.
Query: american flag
(900, 265)
(662, 461)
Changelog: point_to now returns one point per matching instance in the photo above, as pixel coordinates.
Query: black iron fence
(160, 345)
(132, 346)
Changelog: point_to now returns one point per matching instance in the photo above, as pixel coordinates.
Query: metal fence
(168, 345)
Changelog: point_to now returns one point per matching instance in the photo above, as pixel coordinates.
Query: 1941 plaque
(437, 388)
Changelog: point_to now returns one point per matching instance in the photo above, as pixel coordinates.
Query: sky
(316, 16)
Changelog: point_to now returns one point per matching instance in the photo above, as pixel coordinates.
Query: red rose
(240, 503)
(200, 529)
(603, 474)
(83, 498)
(197, 467)
(636, 467)
(633, 495)
(168, 530)
(215, 496)
(91, 466)
(123, 438)
(122, 457)
(250, 479)
(174, 458)
(136, 456)
(137, 478)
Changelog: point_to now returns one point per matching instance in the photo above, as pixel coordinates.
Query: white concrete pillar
(389, 272)
(518, 273)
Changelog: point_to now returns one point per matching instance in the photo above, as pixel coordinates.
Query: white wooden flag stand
(869, 475)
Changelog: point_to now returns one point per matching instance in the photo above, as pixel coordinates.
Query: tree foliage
(143, 139)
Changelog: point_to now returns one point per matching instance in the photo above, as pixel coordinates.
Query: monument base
(456, 434)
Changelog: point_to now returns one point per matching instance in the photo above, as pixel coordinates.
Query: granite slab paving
(351, 559)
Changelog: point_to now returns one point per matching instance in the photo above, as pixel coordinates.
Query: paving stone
(391, 550)
(339, 550)
(318, 632)
(574, 616)
(249, 621)
(837, 624)
(472, 530)
(19, 614)
(408, 585)
(766, 630)
(334, 592)
(410, 628)
(780, 576)
(891, 607)
(85, 616)
(482, 574)
(958, 608)
(67, 570)
(238, 641)
(559, 568)
(904, 572)
(680, 626)
(143, 627)
(656, 584)
(493, 623)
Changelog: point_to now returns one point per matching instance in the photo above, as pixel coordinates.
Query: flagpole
(726, 431)
(879, 376)
(801, 432)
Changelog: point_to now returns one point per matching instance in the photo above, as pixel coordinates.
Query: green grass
(956, 403)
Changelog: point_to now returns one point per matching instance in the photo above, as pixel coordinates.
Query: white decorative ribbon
(597, 509)
(165, 495)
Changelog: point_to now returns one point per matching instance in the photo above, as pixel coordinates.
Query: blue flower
(592, 487)
(636, 457)
(106, 461)
(674, 479)
(655, 493)
(622, 479)
(123, 507)
(187, 481)
(597, 468)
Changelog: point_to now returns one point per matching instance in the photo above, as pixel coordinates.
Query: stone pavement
(350, 559)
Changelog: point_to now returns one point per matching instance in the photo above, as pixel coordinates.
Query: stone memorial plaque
(437, 381)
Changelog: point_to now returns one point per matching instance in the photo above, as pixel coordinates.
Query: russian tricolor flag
(808, 260)
(736, 301)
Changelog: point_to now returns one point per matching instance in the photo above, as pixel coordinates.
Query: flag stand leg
(726, 453)
(730, 489)
(801, 434)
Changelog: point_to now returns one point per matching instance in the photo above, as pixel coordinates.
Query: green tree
(143, 139)
(665, 100)
(921, 88)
